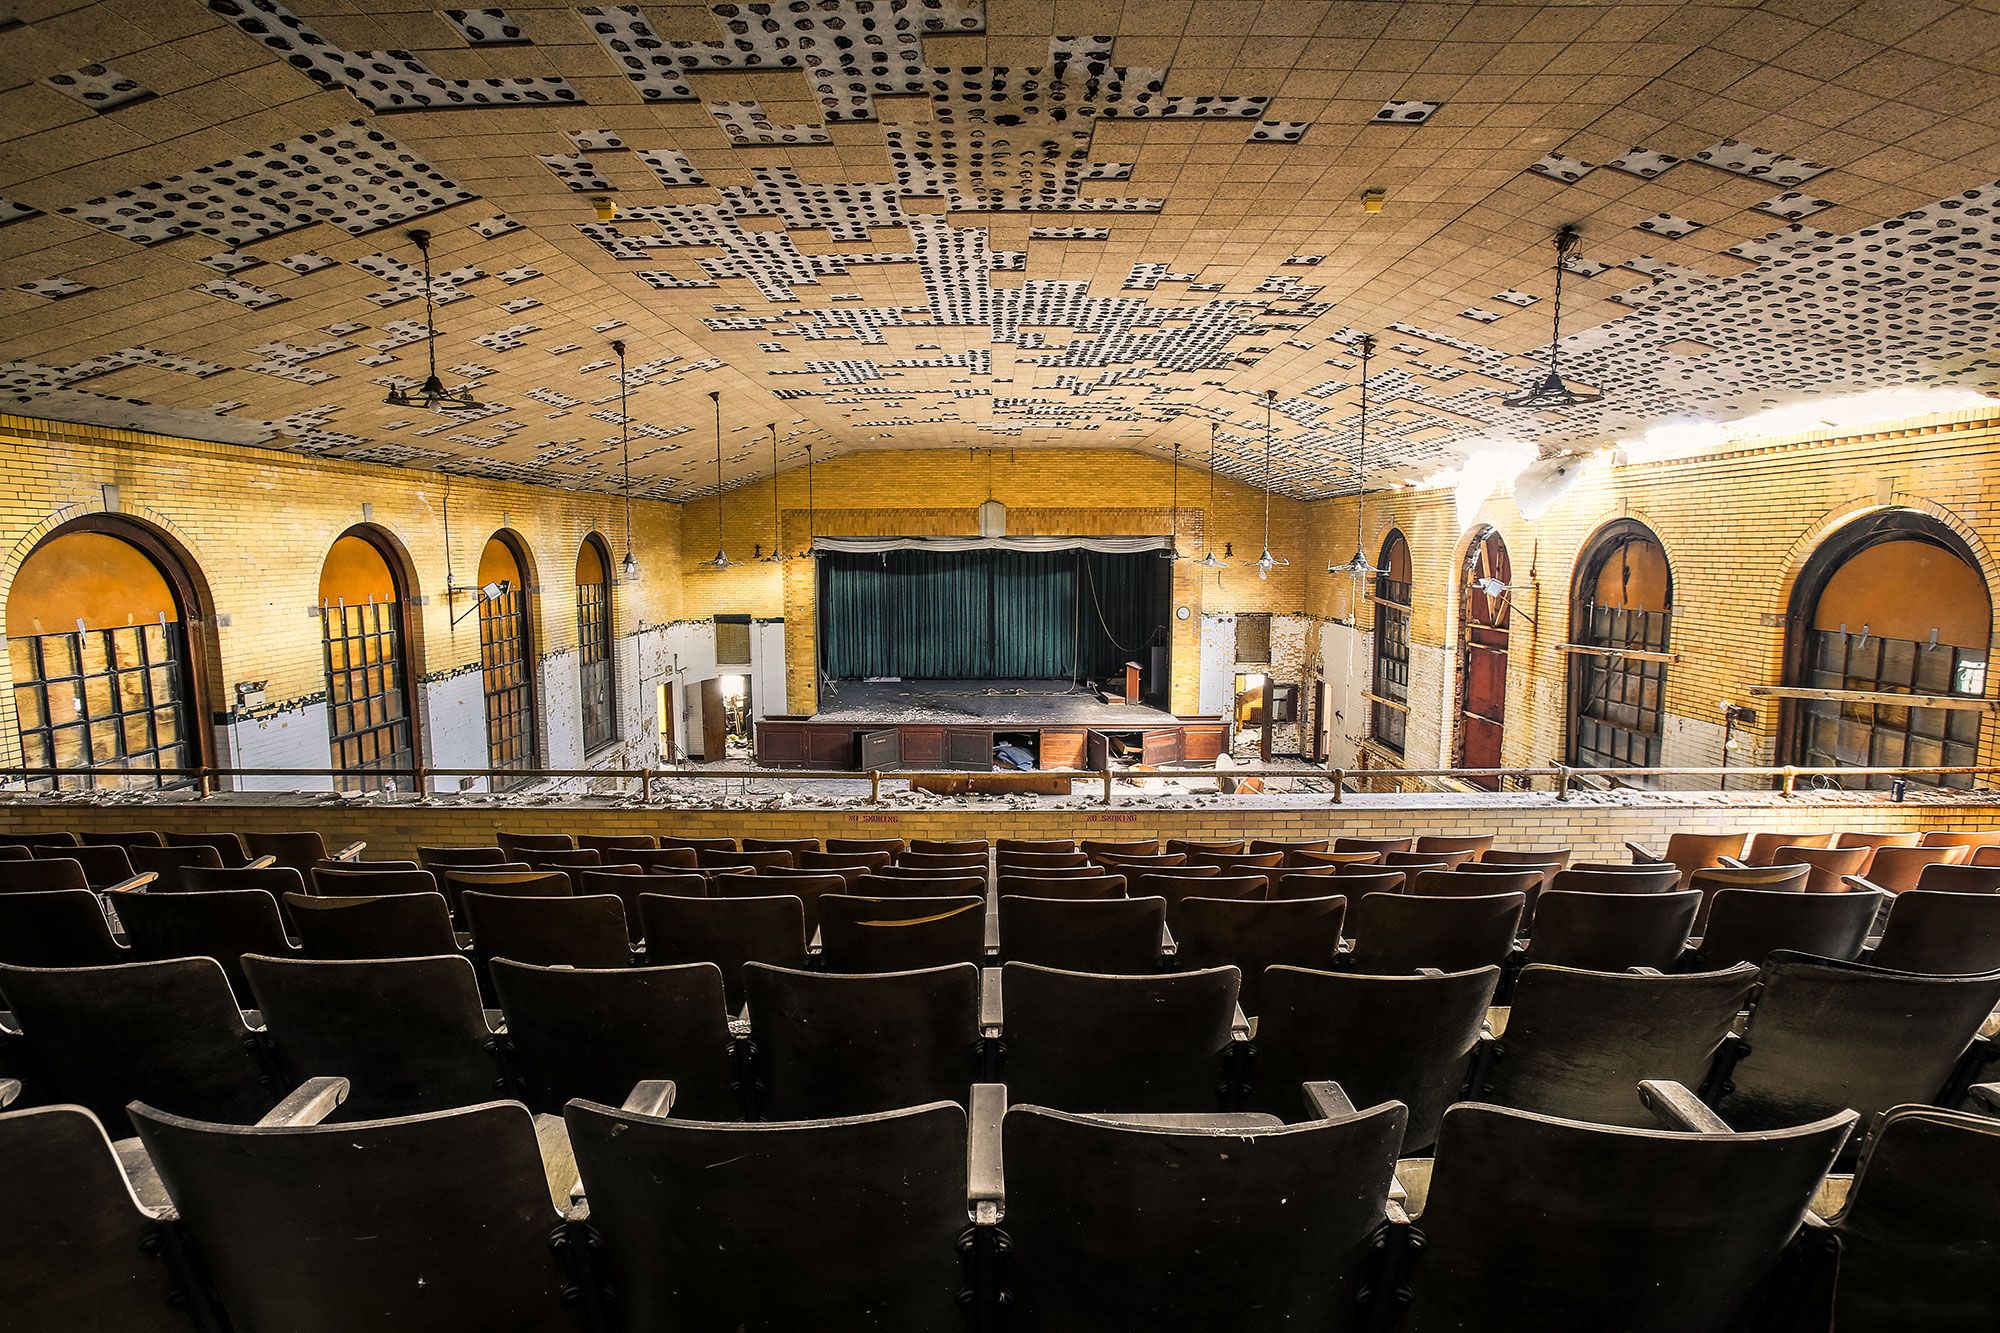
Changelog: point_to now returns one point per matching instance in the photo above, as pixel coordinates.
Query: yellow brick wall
(257, 524)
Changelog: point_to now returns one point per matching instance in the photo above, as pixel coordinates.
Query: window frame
(1389, 673)
(597, 669)
(1601, 740)
(379, 620)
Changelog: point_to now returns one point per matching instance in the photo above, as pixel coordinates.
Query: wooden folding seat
(1062, 886)
(1251, 936)
(1087, 870)
(1919, 1231)
(15, 852)
(383, 883)
(424, 1223)
(1383, 1039)
(437, 859)
(697, 845)
(754, 862)
(1610, 932)
(1176, 888)
(80, 1250)
(571, 932)
(1094, 847)
(379, 865)
(301, 851)
(691, 1233)
(1005, 861)
(221, 925)
(950, 846)
(1617, 879)
(45, 838)
(57, 928)
(1283, 1220)
(402, 925)
(1286, 846)
(1462, 883)
(1085, 1042)
(1535, 1223)
(274, 880)
(728, 932)
(1397, 932)
(899, 934)
(171, 864)
(1763, 849)
(1350, 885)
(1972, 841)
(1131, 865)
(606, 843)
(970, 862)
(1940, 934)
(104, 866)
(1871, 841)
(1196, 846)
(848, 865)
(1825, 1036)
(1986, 856)
(1357, 843)
(1034, 846)
(807, 888)
(1419, 861)
(519, 883)
(1827, 868)
(1749, 925)
(1477, 843)
(595, 1033)
(1300, 859)
(1537, 857)
(518, 845)
(1898, 869)
(828, 1044)
(1766, 879)
(1689, 852)
(891, 882)
(576, 858)
(1121, 935)
(663, 860)
(628, 883)
(1944, 878)
(1577, 1043)
(842, 846)
(120, 838)
(408, 1033)
(169, 1033)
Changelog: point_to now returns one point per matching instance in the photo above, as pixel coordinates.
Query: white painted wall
(454, 712)
(767, 668)
(293, 738)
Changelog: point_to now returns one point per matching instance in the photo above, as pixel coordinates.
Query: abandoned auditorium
(1000, 666)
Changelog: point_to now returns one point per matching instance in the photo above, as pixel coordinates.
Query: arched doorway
(506, 655)
(1389, 706)
(594, 643)
(1485, 607)
(107, 673)
(1893, 604)
(364, 634)
(1621, 608)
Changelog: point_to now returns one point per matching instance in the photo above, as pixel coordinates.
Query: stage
(956, 724)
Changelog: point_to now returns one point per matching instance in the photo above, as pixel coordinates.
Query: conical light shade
(720, 560)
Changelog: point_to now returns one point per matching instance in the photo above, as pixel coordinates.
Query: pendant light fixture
(1550, 392)
(431, 395)
(1210, 560)
(1268, 562)
(628, 567)
(777, 556)
(1173, 551)
(809, 499)
(1357, 564)
(721, 559)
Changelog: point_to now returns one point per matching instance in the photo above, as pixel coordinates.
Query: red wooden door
(1485, 612)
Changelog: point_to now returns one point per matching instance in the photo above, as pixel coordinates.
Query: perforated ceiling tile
(1793, 205)
(54, 288)
(1666, 224)
(486, 27)
(1747, 160)
(1642, 162)
(11, 211)
(1555, 166)
(1406, 113)
(98, 88)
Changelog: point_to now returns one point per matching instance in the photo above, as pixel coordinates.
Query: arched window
(1620, 608)
(506, 655)
(1485, 610)
(1389, 709)
(1892, 604)
(362, 601)
(593, 638)
(105, 682)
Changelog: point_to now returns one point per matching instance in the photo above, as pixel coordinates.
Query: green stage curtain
(988, 615)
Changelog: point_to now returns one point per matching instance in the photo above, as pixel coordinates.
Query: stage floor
(1028, 703)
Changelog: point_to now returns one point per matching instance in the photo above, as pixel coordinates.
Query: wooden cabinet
(781, 743)
(1202, 744)
(968, 749)
(923, 747)
(1062, 747)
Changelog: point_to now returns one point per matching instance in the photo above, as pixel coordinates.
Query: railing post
(1107, 783)
(874, 786)
(1339, 784)
(1788, 785)
(1562, 782)
(645, 786)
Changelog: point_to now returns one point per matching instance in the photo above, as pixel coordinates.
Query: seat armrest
(1239, 1024)
(1644, 971)
(311, 1102)
(264, 862)
(1430, 971)
(10, 1089)
(985, 1180)
(496, 1019)
(1642, 857)
(1675, 1107)
(1327, 1100)
(992, 940)
(1985, 1098)
(351, 852)
(651, 1096)
(1734, 862)
(1861, 884)
(992, 1009)
(136, 883)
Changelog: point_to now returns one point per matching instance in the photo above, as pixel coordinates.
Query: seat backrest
(1498, 856)
(571, 859)
(1974, 840)
(1920, 1232)
(574, 932)
(1174, 888)
(171, 864)
(14, 851)
(1029, 863)
(663, 860)
(1396, 932)
(435, 859)
(973, 862)
(57, 928)
(1287, 1220)
(1766, 879)
(1619, 879)
(1461, 883)
(1609, 932)
(1762, 848)
(629, 883)
(1828, 1036)
(402, 925)
(1289, 845)
(1080, 1041)
(121, 838)
(697, 844)
(1749, 925)
(515, 883)
(1240, 863)
(1942, 934)
(755, 862)
(103, 864)
(1065, 846)
(221, 925)
(1252, 935)
(691, 1239)
(1477, 843)
(893, 846)
(1526, 1229)
(168, 1033)
(1062, 886)
(1191, 847)
(1133, 865)
(1300, 859)
(616, 842)
(1873, 840)
(1083, 935)
(807, 887)
(832, 1045)
(1357, 843)
(1898, 869)
(44, 874)
(377, 883)
(594, 1033)
(85, 1255)
(517, 845)
(949, 846)
(297, 850)
(728, 932)
(274, 880)
(1425, 860)
(1689, 852)
(423, 1221)
(1577, 1043)
(1948, 878)
(408, 1033)
(900, 934)
(1093, 847)
(1826, 867)
(894, 883)
(1383, 1039)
